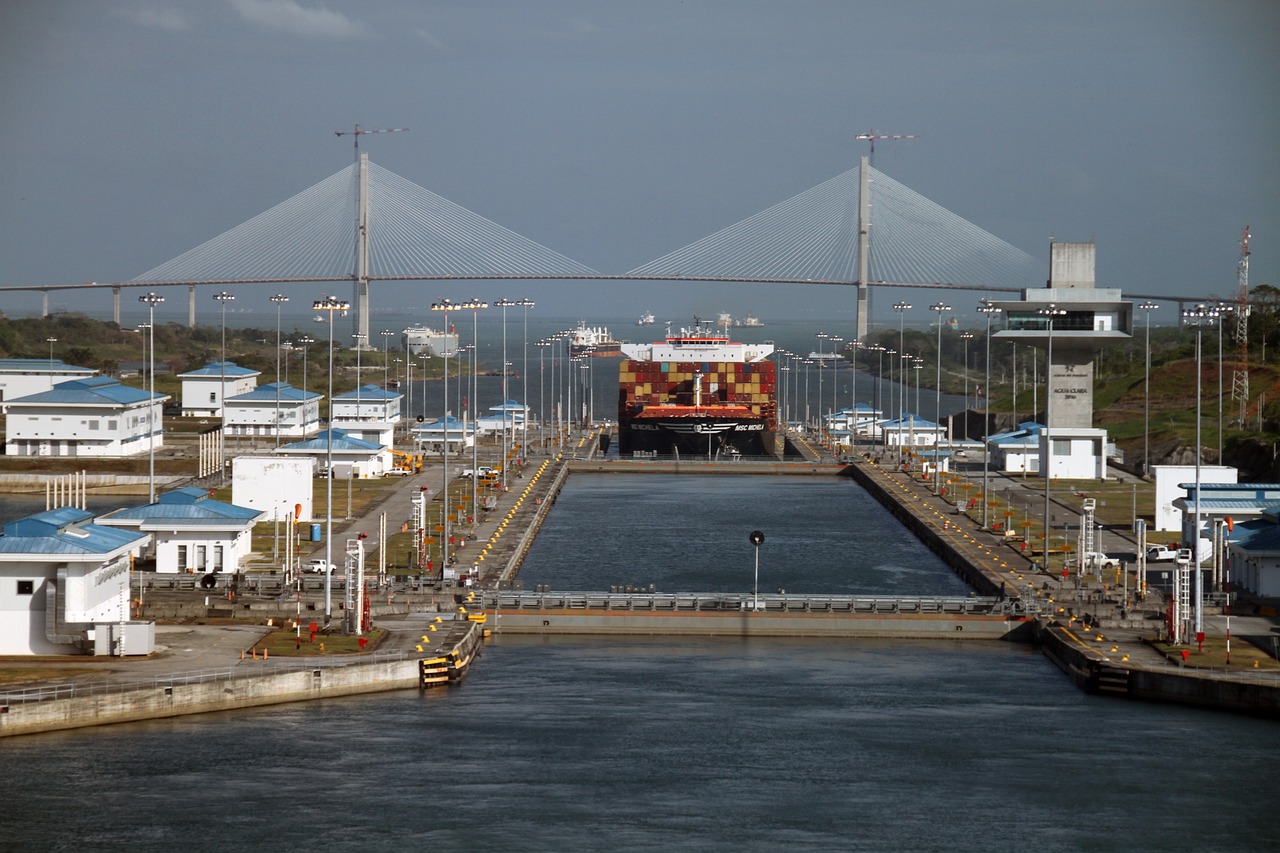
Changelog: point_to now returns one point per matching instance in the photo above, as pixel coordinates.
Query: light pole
(989, 310)
(1146, 394)
(966, 337)
(305, 341)
(444, 306)
(504, 304)
(938, 308)
(223, 298)
(821, 336)
(836, 340)
(329, 304)
(1049, 312)
(278, 300)
(51, 342)
(902, 308)
(1199, 316)
(526, 304)
(1221, 308)
(362, 340)
(756, 538)
(542, 406)
(151, 300)
(475, 306)
(387, 334)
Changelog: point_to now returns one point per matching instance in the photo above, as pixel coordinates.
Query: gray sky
(615, 132)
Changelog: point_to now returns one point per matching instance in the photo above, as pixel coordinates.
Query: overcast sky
(616, 132)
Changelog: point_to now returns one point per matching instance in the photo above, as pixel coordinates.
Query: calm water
(661, 743)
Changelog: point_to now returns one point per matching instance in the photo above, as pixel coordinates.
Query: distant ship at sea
(593, 341)
(645, 320)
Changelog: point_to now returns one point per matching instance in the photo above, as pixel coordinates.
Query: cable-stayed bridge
(367, 224)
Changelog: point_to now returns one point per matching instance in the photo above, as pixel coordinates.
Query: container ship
(593, 341)
(697, 394)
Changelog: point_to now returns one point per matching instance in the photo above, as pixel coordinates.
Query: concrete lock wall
(214, 695)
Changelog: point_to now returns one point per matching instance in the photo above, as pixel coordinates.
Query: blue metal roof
(91, 391)
(341, 442)
(65, 531)
(40, 365)
(218, 370)
(267, 394)
(371, 393)
(189, 505)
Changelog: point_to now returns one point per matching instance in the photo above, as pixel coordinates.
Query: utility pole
(1240, 378)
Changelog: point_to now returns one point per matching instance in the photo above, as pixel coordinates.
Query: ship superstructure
(422, 340)
(593, 341)
(697, 394)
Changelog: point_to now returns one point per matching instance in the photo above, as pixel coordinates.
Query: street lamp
(939, 308)
(526, 304)
(1221, 308)
(1049, 312)
(223, 298)
(756, 538)
(151, 300)
(444, 306)
(329, 304)
(504, 304)
(836, 340)
(989, 310)
(305, 341)
(279, 299)
(1146, 393)
(966, 337)
(387, 334)
(821, 336)
(1199, 316)
(542, 406)
(51, 342)
(475, 306)
(902, 308)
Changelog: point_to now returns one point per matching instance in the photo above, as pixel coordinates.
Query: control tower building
(1071, 319)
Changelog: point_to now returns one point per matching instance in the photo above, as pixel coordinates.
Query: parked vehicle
(483, 470)
(317, 566)
(1161, 554)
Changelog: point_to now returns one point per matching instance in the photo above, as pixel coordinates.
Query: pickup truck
(317, 566)
(1099, 560)
(1161, 554)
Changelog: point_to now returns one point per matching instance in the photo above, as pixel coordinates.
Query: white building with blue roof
(1018, 450)
(190, 531)
(22, 377)
(276, 408)
(204, 389)
(911, 430)
(96, 416)
(432, 437)
(65, 586)
(508, 416)
(352, 457)
(367, 412)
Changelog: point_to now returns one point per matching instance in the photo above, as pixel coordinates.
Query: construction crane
(871, 136)
(357, 132)
(1240, 378)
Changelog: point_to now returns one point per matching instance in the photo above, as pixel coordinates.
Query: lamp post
(542, 404)
(1049, 312)
(51, 342)
(386, 334)
(989, 310)
(504, 304)
(966, 337)
(362, 340)
(475, 306)
(151, 300)
(1221, 308)
(330, 305)
(821, 336)
(278, 300)
(1146, 393)
(444, 306)
(223, 298)
(836, 340)
(938, 308)
(305, 341)
(1199, 317)
(756, 538)
(902, 308)
(526, 304)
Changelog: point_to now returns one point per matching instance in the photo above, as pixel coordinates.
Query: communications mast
(1240, 378)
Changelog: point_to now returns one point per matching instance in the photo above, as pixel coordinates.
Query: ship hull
(613, 349)
(695, 437)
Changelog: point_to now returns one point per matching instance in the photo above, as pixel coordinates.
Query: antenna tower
(871, 136)
(357, 133)
(1240, 378)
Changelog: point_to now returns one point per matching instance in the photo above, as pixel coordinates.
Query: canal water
(679, 743)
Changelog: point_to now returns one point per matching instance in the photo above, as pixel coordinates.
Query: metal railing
(773, 603)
